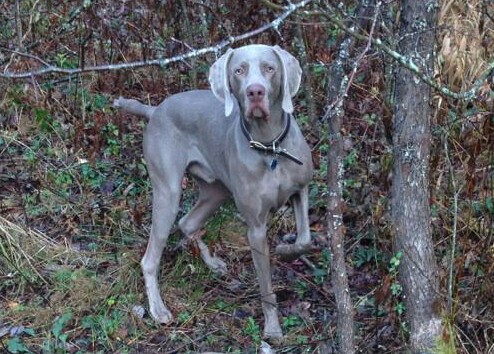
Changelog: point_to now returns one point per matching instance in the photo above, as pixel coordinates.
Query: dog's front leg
(300, 203)
(260, 255)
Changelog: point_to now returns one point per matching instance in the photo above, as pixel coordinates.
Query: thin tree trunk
(18, 24)
(336, 233)
(410, 186)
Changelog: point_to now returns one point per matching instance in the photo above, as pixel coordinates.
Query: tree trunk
(410, 185)
(336, 234)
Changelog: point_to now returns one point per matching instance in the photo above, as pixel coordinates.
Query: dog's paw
(116, 102)
(292, 251)
(217, 265)
(273, 333)
(214, 263)
(161, 315)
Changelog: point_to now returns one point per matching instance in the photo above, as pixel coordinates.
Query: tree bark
(410, 186)
(336, 233)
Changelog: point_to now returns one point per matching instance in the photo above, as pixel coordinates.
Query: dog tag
(273, 164)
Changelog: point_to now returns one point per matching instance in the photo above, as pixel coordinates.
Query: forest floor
(75, 221)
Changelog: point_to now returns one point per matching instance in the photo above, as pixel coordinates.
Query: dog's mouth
(257, 111)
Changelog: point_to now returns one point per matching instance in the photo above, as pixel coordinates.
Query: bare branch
(288, 10)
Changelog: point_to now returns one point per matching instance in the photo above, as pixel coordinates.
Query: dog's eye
(269, 69)
(239, 71)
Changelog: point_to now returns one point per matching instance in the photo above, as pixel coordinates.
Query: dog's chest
(276, 185)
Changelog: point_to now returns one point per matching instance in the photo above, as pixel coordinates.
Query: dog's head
(257, 76)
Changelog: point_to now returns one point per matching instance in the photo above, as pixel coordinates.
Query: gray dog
(238, 140)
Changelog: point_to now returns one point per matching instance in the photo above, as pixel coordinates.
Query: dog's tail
(134, 107)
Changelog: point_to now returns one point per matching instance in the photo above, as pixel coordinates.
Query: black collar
(272, 147)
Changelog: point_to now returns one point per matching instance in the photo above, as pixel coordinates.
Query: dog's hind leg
(166, 199)
(211, 196)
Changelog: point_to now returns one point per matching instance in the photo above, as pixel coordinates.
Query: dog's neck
(266, 130)
(272, 146)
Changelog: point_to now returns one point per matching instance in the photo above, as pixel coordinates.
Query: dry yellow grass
(23, 250)
(466, 41)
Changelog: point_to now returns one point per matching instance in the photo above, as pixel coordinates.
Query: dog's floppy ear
(292, 74)
(218, 79)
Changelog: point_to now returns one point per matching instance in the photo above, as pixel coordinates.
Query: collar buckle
(272, 147)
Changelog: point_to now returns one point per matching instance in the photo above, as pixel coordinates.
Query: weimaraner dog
(238, 140)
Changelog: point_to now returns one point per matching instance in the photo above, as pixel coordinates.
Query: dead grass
(466, 41)
(26, 252)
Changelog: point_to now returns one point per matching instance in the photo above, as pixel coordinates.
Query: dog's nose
(256, 92)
